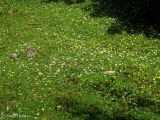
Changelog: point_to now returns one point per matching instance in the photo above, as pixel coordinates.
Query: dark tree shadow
(90, 111)
(68, 2)
(130, 17)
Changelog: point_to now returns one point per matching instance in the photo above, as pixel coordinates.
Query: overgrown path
(57, 62)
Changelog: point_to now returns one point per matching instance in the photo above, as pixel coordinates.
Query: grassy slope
(68, 78)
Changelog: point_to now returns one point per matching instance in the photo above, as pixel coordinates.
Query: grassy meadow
(57, 62)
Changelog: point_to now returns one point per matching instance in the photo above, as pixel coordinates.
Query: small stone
(31, 51)
(58, 107)
(14, 55)
(40, 73)
(109, 72)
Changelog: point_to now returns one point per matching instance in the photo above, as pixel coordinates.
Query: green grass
(69, 76)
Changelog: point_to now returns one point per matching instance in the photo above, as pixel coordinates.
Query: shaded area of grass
(89, 111)
(69, 2)
(129, 16)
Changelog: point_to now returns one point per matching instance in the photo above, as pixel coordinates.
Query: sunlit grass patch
(57, 62)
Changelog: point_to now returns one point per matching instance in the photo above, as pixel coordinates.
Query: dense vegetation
(144, 10)
(135, 16)
(61, 62)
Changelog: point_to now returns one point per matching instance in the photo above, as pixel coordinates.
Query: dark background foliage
(142, 10)
(66, 1)
(133, 15)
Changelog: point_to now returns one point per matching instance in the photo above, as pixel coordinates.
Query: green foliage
(78, 71)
